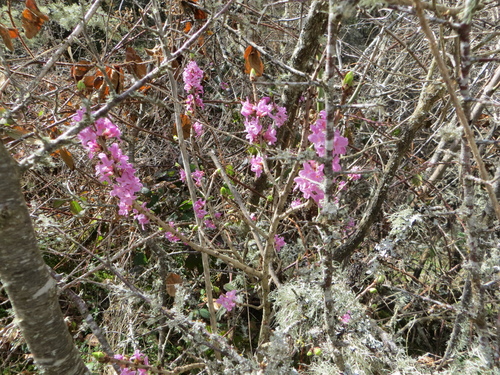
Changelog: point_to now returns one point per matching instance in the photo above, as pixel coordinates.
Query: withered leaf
(32, 19)
(172, 280)
(80, 69)
(253, 61)
(136, 66)
(7, 36)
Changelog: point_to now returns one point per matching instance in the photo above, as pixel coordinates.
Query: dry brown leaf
(253, 61)
(115, 75)
(67, 158)
(7, 36)
(80, 69)
(172, 280)
(136, 67)
(32, 19)
(197, 13)
(186, 126)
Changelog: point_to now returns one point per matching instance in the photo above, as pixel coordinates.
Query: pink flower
(280, 117)
(228, 301)
(336, 164)
(345, 319)
(270, 135)
(263, 108)
(253, 129)
(182, 175)
(279, 242)
(105, 128)
(340, 144)
(318, 135)
(295, 203)
(197, 176)
(199, 208)
(247, 109)
(78, 116)
(192, 77)
(198, 129)
(141, 218)
(104, 170)
(170, 236)
(354, 176)
(209, 224)
(309, 181)
(256, 165)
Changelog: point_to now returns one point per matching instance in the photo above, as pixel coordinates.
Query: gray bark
(29, 286)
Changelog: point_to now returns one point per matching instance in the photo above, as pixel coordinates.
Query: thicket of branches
(223, 264)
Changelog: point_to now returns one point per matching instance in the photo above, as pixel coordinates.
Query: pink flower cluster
(310, 179)
(170, 236)
(256, 165)
(318, 137)
(254, 120)
(199, 208)
(197, 176)
(279, 242)
(228, 300)
(112, 166)
(346, 318)
(139, 358)
(311, 176)
(193, 76)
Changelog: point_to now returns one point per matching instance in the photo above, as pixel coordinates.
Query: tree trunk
(29, 286)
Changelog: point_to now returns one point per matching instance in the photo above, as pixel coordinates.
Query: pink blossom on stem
(182, 175)
(199, 208)
(309, 181)
(270, 135)
(263, 108)
(228, 301)
(279, 242)
(209, 224)
(113, 166)
(253, 129)
(340, 143)
(247, 108)
(346, 318)
(104, 169)
(256, 165)
(105, 128)
(354, 176)
(280, 116)
(198, 129)
(197, 176)
(192, 77)
(141, 218)
(170, 236)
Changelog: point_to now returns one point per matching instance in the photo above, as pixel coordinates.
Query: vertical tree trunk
(31, 290)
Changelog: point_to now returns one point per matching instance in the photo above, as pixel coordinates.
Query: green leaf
(75, 207)
(348, 79)
(186, 205)
(80, 86)
(229, 170)
(225, 192)
(58, 202)
(204, 313)
(140, 259)
(417, 179)
(98, 355)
